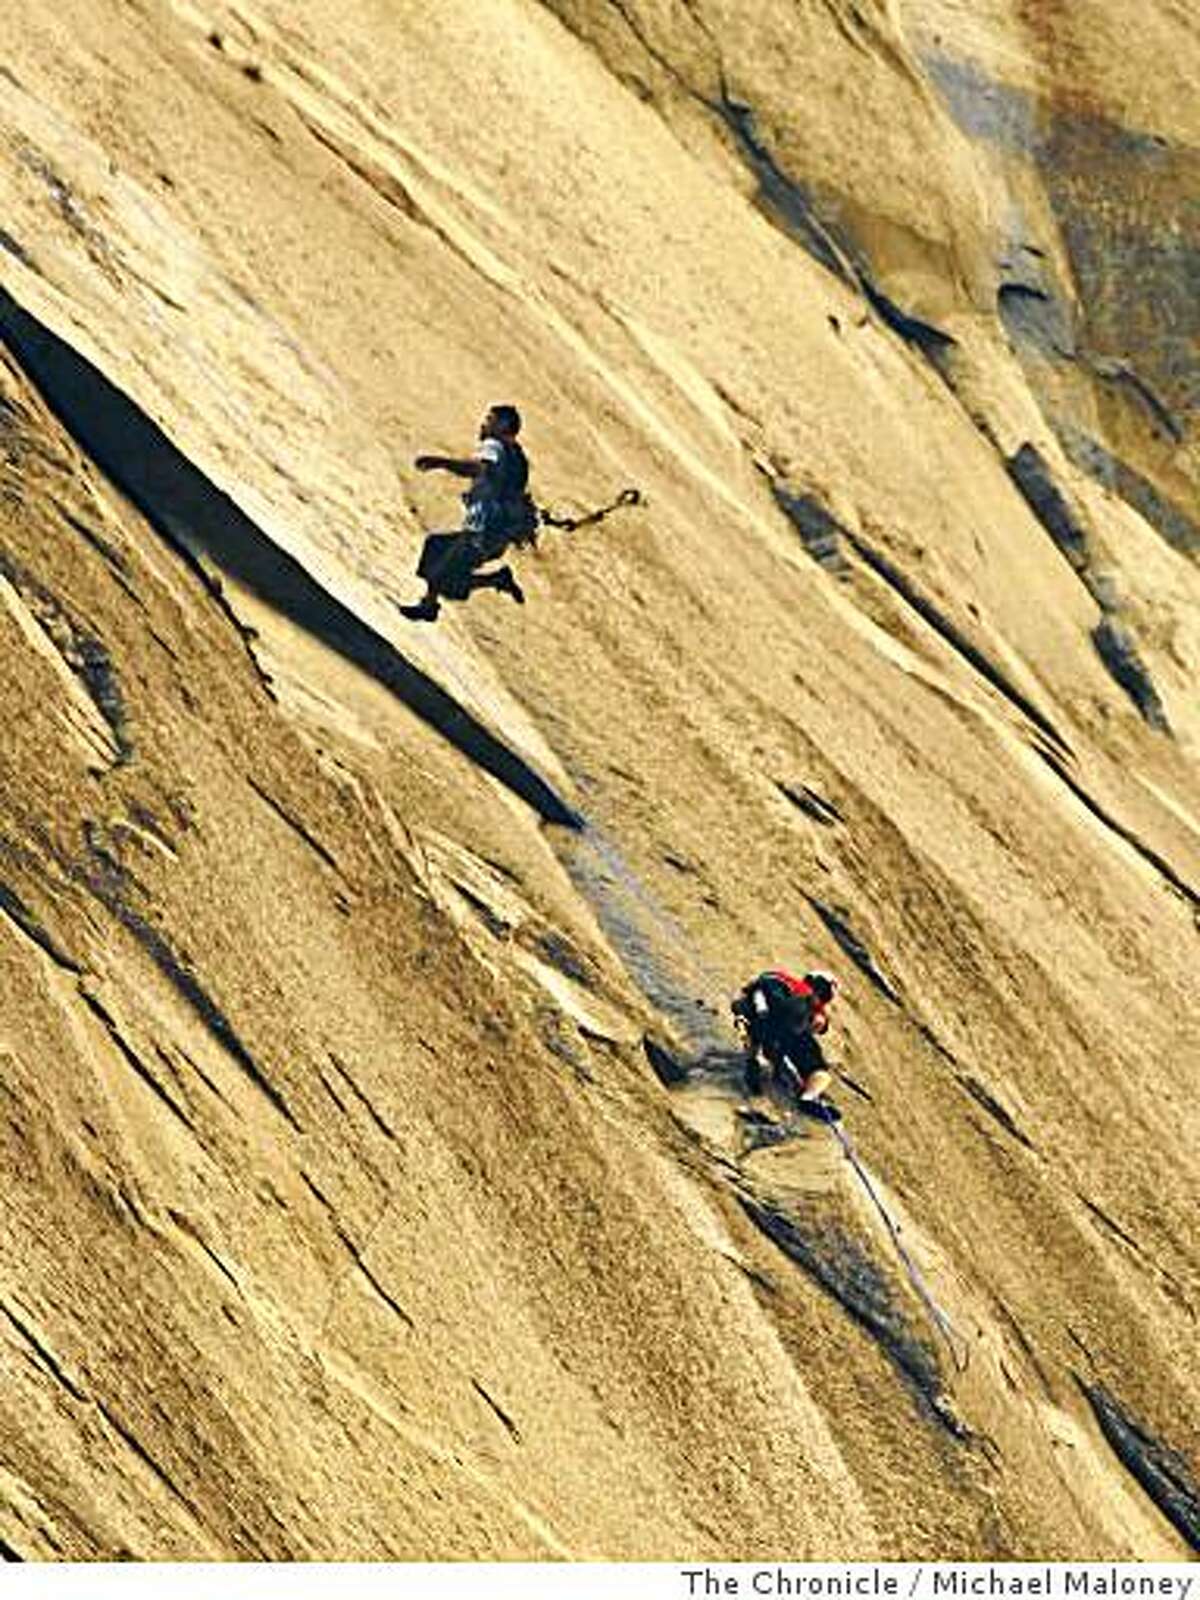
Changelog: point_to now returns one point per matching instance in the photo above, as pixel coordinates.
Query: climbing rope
(627, 497)
(954, 1340)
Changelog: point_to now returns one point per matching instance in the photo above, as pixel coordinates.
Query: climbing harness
(954, 1340)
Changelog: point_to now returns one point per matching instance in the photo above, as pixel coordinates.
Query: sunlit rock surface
(375, 1184)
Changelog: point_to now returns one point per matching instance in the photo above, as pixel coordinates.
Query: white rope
(945, 1327)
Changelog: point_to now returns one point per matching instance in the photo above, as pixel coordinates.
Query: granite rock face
(378, 1180)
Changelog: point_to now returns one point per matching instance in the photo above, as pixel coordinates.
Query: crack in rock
(838, 1264)
(1113, 641)
(502, 1416)
(17, 911)
(954, 636)
(984, 1097)
(1170, 521)
(1160, 864)
(814, 805)
(134, 1060)
(45, 1356)
(853, 946)
(820, 533)
(84, 655)
(104, 877)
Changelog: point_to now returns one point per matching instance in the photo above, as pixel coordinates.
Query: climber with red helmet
(780, 1017)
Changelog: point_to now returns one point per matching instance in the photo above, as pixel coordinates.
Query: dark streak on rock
(1113, 1227)
(114, 557)
(491, 920)
(562, 955)
(332, 1092)
(1114, 644)
(355, 1252)
(1034, 317)
(854, 1086)
(786, 203)
(1025, 1345)
(780, 196)
(931, 1038)
(1168, 519)
(389, 1300)
(386, 186)
(1029, 471)
(1162, 1472)
(931, 341)
(760, 1280)
(562, 1039)
(318, 1194)
(17, 250)
(96, 669)
(1120, 372)
(1020, 291)
(196, 1068)
(838, 1265)
(820, 533)
(83, 653)
(1115, 647)
(63, 199)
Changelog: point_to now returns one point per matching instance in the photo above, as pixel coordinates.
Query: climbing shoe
(424, 611)
(507, 584)
(819, 1110)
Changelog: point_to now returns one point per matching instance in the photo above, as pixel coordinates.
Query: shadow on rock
(188, 509)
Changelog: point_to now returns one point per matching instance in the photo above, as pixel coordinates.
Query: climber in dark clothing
(780, 1018)
(498, 511)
